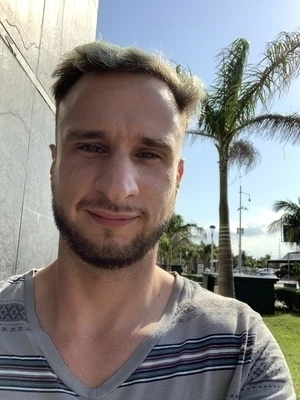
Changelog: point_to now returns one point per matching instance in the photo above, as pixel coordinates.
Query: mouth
(111, 220)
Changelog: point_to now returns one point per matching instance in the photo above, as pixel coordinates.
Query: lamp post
(240, 229)
(212, 228)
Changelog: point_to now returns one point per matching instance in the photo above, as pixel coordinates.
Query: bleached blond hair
(105, 57)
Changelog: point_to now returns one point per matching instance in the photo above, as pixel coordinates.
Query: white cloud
(256, 241)
(260, 245)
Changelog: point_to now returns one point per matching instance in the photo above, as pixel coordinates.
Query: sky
(192, 33)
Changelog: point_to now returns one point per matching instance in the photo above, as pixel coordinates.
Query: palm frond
(289, 221)
(272, 76)
(218, 108)
(197, 134)
(198, 232)
(177, 227)
(227, 85)
(284, 128)
(208, 121)
(178, 240)
(275, 226)
(243, 154)
(287, 206)
(164, 242)
(185, 228)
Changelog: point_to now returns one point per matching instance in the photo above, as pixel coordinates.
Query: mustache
(103, 203)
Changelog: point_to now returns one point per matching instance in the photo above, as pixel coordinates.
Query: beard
(107, 254)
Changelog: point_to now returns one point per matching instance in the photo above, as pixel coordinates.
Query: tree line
(185, 244)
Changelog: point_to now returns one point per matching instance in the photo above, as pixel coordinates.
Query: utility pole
(240, 229)
(212, 228)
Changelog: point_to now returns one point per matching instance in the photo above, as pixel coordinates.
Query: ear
(180, 171)
(53, 150)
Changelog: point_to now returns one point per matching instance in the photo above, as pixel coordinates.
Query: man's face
(116, 167)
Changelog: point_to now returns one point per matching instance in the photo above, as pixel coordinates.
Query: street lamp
(212, 228)
(240, 229)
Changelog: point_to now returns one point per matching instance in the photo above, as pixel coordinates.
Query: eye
(91, 148)
(148, 155)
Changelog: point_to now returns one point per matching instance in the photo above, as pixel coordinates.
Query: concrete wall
(33, 35)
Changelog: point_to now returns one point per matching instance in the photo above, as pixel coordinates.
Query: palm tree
(289, 221)
(177, 234)
(190, 254)
(230, 110)
(204, 251)
(193, 252)
(263, 261)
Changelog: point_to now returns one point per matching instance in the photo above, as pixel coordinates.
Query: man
(103, 321)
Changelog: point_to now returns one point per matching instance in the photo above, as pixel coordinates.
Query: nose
(117, 179)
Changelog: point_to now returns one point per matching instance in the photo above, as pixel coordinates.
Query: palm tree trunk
(225, 262)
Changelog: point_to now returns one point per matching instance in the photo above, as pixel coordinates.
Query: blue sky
(192, 33)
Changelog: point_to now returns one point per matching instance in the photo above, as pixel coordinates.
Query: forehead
(120, 101)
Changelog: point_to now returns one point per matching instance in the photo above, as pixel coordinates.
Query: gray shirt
(204, 347)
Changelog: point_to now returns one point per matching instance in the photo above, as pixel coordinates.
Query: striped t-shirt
(205, 347)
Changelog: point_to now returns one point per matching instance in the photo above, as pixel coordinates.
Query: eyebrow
(145, 140)
(158, 143)
(74, 136)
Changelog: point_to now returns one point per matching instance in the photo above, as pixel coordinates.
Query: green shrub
(294, 271)
(289, 297)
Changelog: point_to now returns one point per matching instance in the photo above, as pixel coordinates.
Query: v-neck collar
(57, 364)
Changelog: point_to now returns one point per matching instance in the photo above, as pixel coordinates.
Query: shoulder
(11, 285)
(12, 304)
(215, 313)
(223, 326)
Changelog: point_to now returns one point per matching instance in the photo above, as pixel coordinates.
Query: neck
(74, 295)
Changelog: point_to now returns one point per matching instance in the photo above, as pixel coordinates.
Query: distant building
(290, 258)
